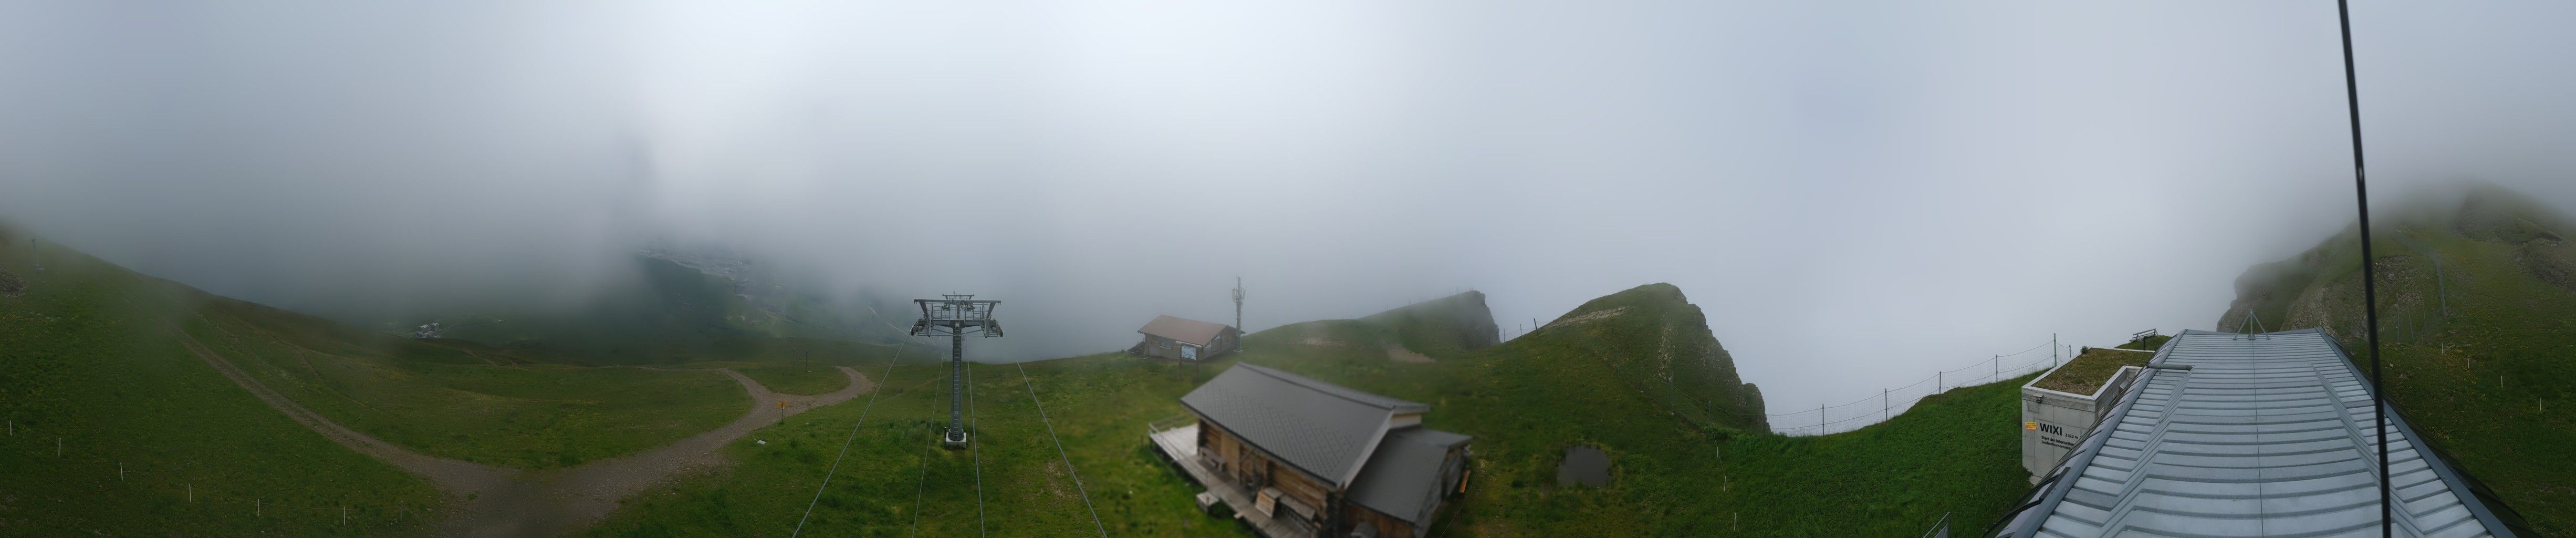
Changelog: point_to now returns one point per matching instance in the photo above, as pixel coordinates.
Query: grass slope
(450, 398)
(895, 482)
(501, 408)
(90, 358)
(1525, 400)
(2477, 305)
(1676, 470)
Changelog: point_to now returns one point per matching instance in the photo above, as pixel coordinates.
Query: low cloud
(1857, 198)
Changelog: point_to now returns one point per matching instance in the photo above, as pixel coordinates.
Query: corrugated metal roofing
(1183, 329)
(1403, 477)
(2265, 435)
(1326, 429)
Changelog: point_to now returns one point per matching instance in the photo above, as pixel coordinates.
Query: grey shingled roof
(1183, 329)
(1404, 476)
(1325, 429)
(2266, 435)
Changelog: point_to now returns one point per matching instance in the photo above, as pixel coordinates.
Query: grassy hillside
(894, 481)
(1455, 323)
(464, 401)
(91, 362)
(2477, 302)
(1525, 401)
(517, 406)
(1683, 463)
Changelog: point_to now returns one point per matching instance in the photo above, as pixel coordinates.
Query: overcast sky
(1857, 194)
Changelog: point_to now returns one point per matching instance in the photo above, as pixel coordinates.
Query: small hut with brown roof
(1302, 458)
(1186, 339)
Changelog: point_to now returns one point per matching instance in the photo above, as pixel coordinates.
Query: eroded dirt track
(509, 502)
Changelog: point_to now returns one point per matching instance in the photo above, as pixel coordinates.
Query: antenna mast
(1238, 303)
(2369, 290)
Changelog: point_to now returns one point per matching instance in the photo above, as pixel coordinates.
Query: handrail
(1158, 425)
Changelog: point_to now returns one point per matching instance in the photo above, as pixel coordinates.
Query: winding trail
(508, 501)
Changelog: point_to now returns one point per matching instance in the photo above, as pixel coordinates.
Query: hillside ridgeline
(2477, 310)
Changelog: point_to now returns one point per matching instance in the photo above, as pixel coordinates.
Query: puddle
(1584, 465)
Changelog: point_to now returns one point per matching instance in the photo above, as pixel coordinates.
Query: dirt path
(506, 501)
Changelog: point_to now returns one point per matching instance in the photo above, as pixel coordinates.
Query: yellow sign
(2030, 425)
(782, 405)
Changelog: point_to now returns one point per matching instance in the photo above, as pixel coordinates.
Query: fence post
(1936, 381)
(1883, 415)
(1820, 419)
(2052, 351)
(1999, 368)
(192, 493)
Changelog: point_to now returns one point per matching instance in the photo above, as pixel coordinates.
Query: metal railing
(1169, 423)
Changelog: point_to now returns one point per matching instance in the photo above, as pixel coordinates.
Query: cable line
(845, 446)
(1059, 450)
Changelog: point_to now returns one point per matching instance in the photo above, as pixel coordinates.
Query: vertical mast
(2369, 288)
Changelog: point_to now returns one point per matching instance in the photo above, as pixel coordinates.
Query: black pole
(956, 384)
(2369, 287)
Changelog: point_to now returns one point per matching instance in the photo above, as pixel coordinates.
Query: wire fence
(155, 481)
(1892, 401)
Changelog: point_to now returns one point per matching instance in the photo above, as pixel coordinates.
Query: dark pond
(1584, 465)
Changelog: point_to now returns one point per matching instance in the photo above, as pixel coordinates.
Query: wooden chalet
(1186, 339)
(1304, 458)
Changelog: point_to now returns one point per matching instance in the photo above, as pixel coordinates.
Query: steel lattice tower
(957, 316)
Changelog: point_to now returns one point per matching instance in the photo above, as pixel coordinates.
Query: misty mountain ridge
(682, 304)
(2477, 320)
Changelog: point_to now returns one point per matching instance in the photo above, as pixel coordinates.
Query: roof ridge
(1304, 381)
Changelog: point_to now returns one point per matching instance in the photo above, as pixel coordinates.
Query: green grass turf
(89, 359)
(534, 415)
(1676, 475)
(2487, 384)
(1525, 401)
(895, 481)
(2086, 372)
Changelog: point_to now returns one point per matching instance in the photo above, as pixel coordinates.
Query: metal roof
(2264, 435)
(1183, 329)
(1325, 429)
(1404, 476)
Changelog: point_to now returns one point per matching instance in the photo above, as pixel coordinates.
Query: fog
(1857, 195)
